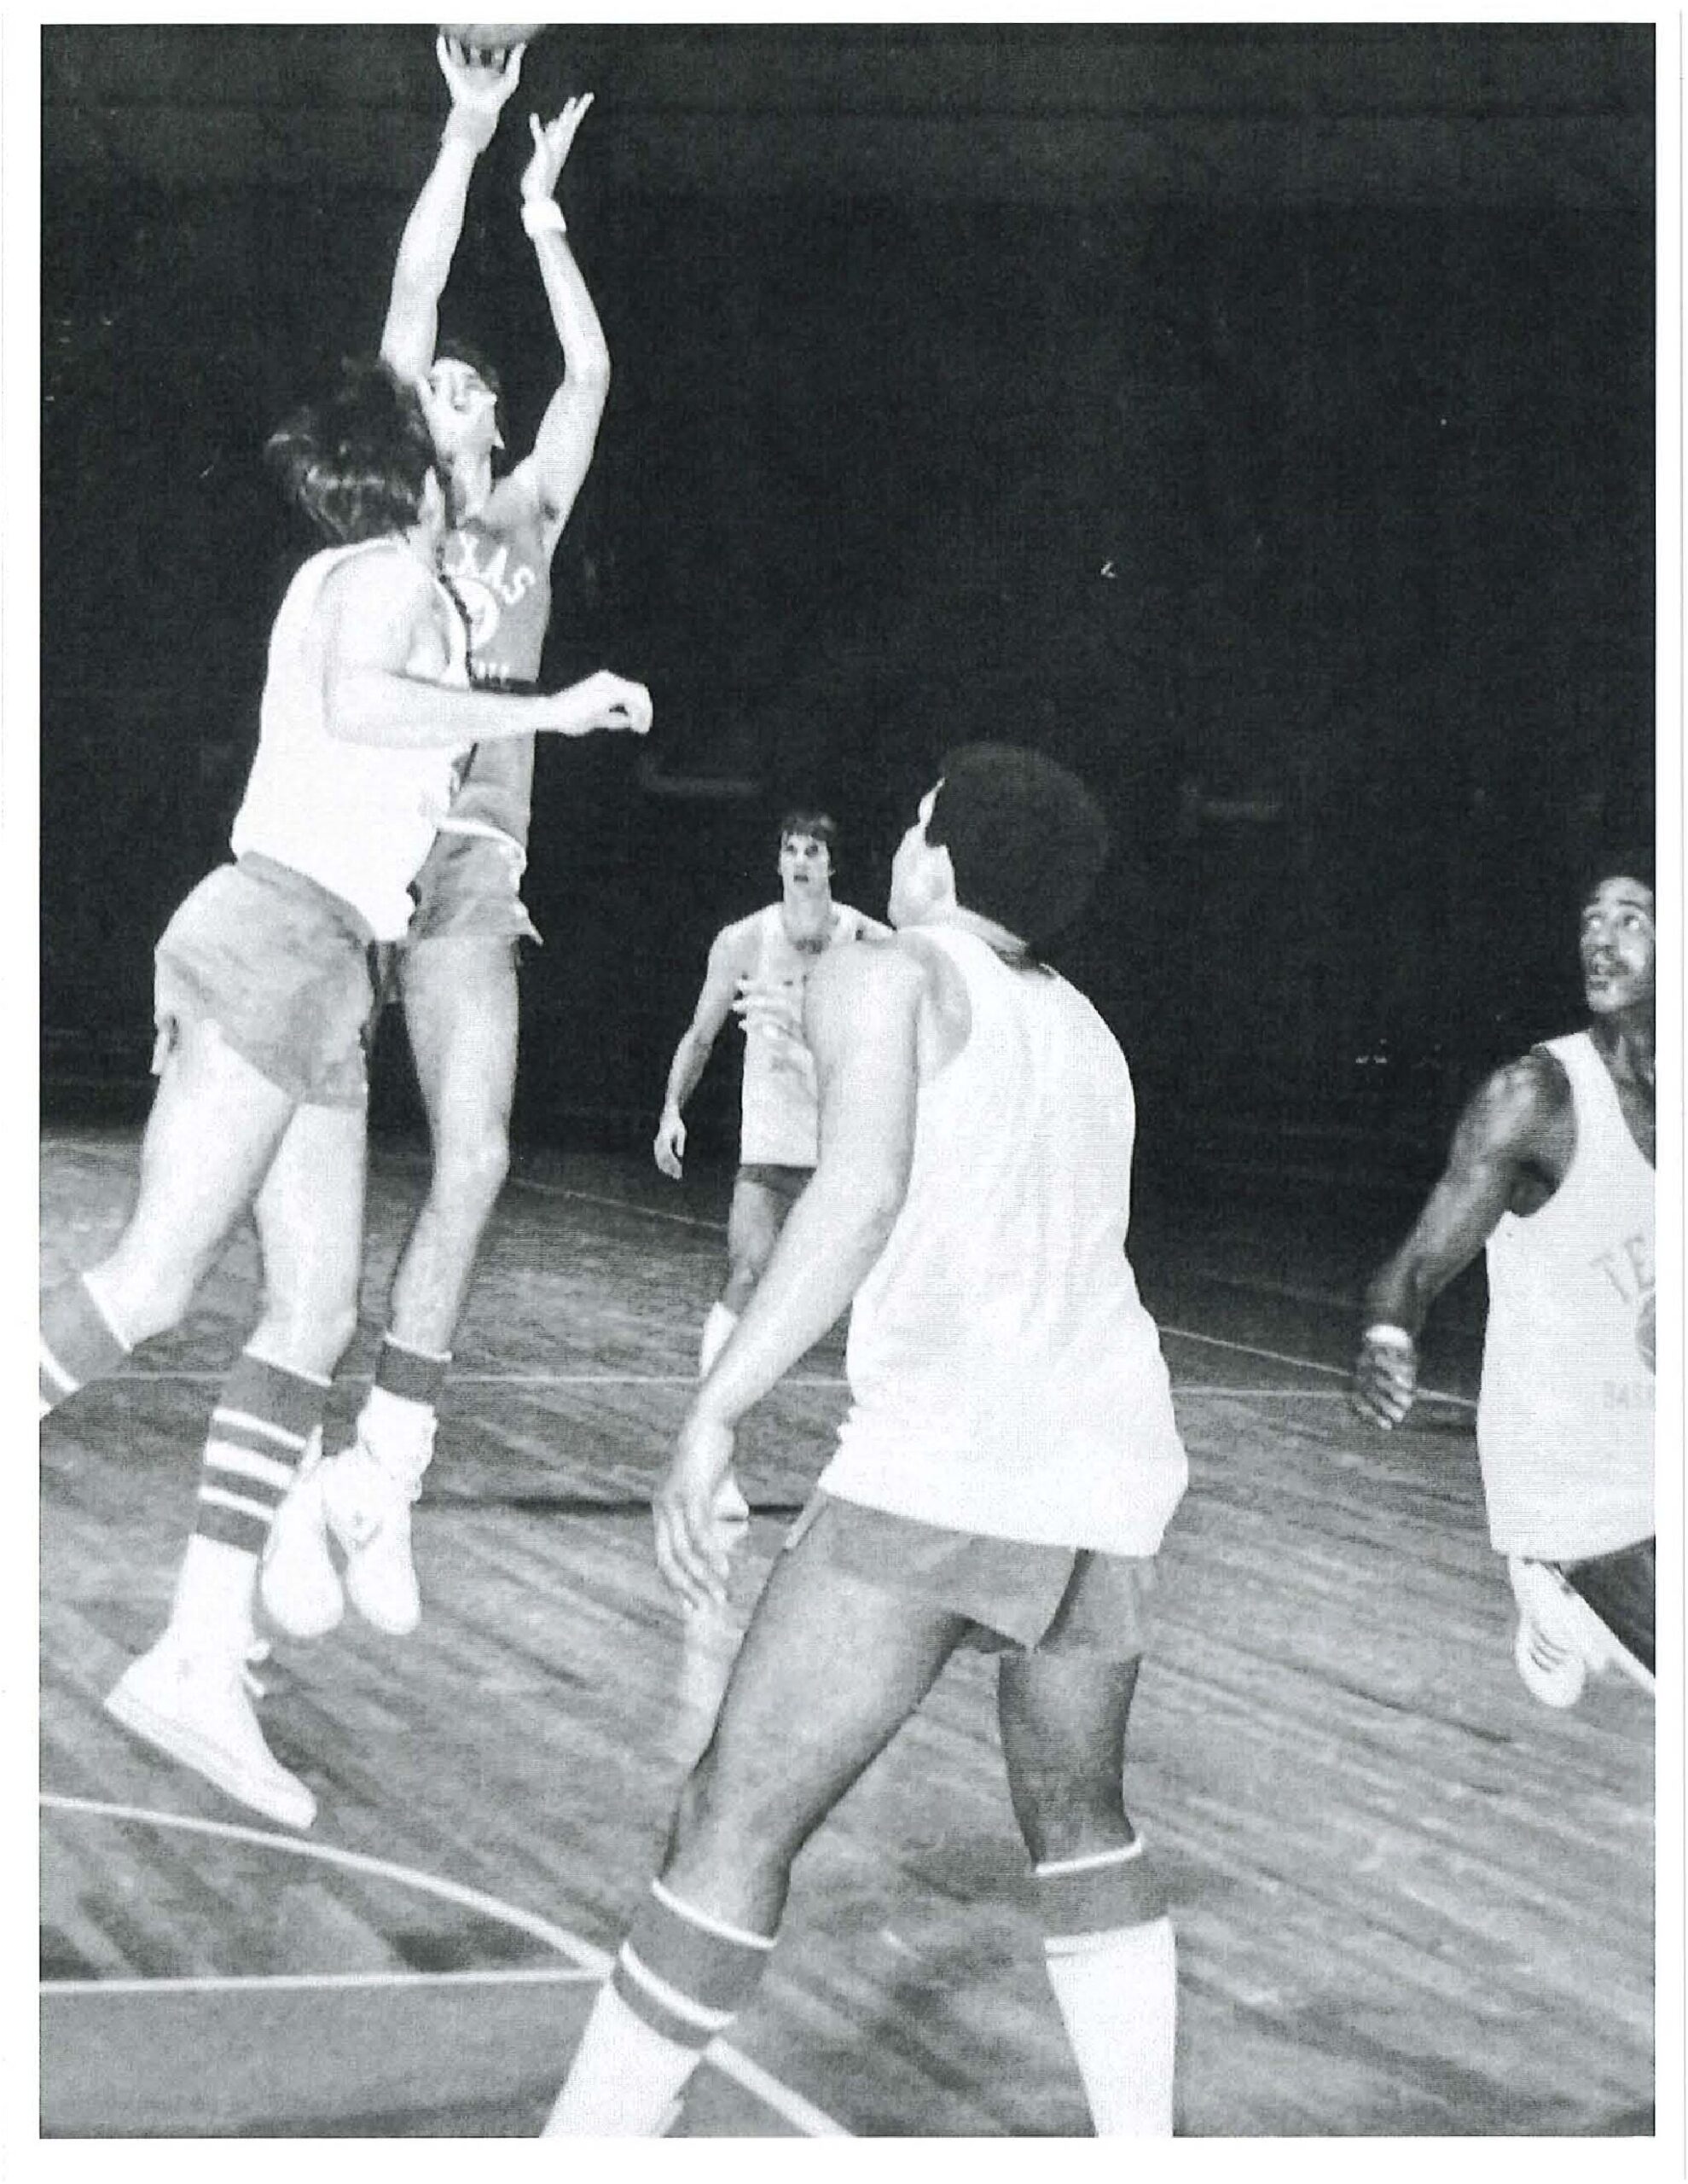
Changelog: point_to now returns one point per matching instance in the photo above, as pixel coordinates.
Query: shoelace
(258, 1651)
(1546, 1652)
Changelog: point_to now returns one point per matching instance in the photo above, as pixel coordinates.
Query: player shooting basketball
(457, 970)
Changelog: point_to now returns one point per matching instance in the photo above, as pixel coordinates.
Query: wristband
(543, 216)
(1388, 1337)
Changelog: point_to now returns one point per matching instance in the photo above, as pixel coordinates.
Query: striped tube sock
(1112, 1964)
(263, 1422)
(397, 1420)
(79, 1341)
(682, 1977)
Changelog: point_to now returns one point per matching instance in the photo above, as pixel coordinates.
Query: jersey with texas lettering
(1565, 1414)
(500, 575)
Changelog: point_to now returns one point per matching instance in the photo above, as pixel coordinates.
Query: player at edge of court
(1550, 1174)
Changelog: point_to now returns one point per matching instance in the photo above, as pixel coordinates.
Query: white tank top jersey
(779, 1107)
(355, 818)
(1565, 1415)
(1004, 1377)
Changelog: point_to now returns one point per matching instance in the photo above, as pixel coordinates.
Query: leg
(215, 1124)
(462, 1013)
(754, 1221)
(1109, 1950)
(459, 1005)
(710, 1637)
(788, 1745)
(188, 1695)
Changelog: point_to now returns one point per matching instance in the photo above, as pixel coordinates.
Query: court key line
(812, 2122)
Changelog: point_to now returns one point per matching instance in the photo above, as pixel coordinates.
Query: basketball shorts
(787, 1183)
(282, 969)
(1017, 1596)
(469, 888)
(1622, 1589)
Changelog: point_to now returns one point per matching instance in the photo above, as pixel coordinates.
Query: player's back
(1006, 1377)
(358, 818)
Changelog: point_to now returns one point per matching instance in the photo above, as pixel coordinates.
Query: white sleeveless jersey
(356, 818)
(1005, 1376)
(1565, 1417)
(780, 1105)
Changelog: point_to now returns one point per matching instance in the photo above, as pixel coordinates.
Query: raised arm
(552, 474)
(429, 242)
(1506, 1135)
(715, 997)
(385, 642)
(862, 1020)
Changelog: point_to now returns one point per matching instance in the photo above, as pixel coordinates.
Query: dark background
(1260, 418)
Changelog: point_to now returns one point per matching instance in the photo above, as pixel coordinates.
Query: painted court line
(1301, 1364)
(810, 2122)
(207, 1374)
(234, 1982)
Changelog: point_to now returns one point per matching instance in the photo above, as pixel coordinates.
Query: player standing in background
(757, 969)
(458, 973)
(1552, 1173)
(263, 993)
(1004, 1477)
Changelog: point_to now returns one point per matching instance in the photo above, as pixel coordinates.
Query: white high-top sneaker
(192, 1701)
(1560, 1640)
(368, 1505)
(298, 1582)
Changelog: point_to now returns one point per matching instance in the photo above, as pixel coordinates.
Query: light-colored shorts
(282, 969)
(1017, 1595)
(468, 888)
(787, 1183)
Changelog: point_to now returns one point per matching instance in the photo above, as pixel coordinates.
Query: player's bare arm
(862, 1021)
(383, 642)
(551, 476)
(729, 959)
(426, 250)
(1511, 1146)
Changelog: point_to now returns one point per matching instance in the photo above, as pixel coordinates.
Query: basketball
(478, 39)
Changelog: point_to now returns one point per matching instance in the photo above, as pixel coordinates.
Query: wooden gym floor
(1410, 1900)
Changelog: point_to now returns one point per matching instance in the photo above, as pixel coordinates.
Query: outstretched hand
(479, 89)
(551, 142)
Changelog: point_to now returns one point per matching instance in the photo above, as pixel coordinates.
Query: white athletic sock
(1113, 1963)
(398, 1421)
(717, 1327)
(679, 1978)
(1118, 1999)
(626, 2078)
(212, 1612)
